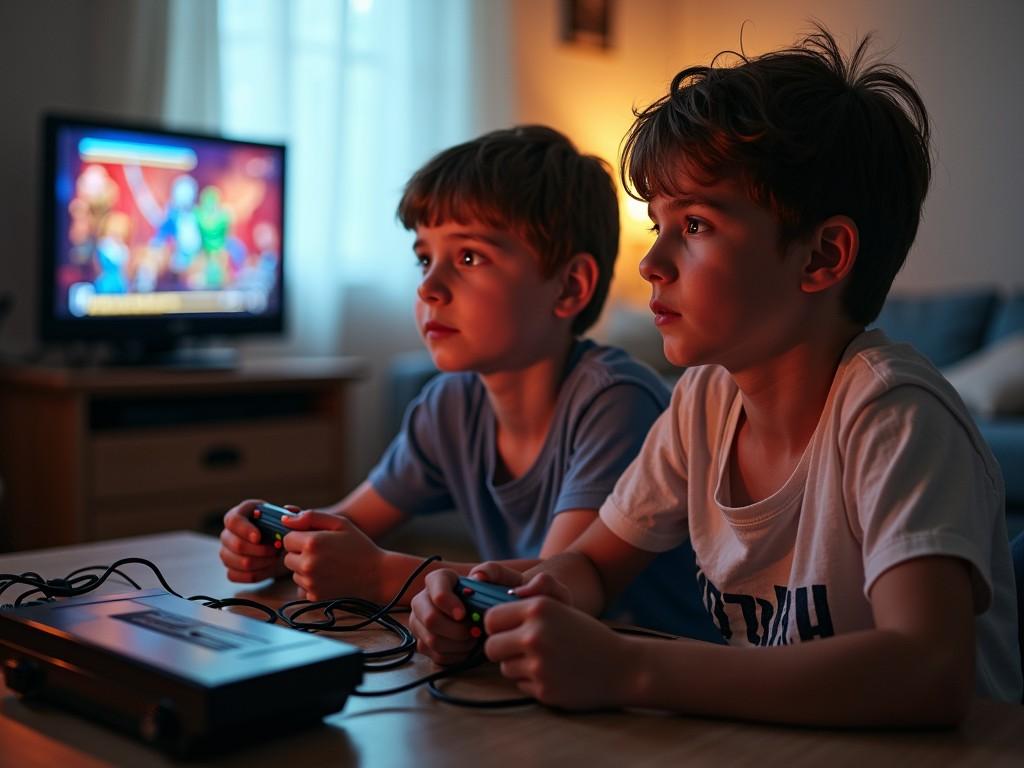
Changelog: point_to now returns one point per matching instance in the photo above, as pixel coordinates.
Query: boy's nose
(656, 268)
(431, 289)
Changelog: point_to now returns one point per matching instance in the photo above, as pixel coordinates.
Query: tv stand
(94, 453)
(174, 356)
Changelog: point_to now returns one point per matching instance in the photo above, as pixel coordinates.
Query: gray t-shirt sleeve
(607, 437)
(408, 475)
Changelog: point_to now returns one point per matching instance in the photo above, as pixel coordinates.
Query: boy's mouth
(663, 314)
(436, 330)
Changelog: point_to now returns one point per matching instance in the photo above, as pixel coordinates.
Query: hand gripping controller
(267, 517)
(478, 596)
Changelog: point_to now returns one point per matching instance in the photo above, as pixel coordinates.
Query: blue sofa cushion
(1005, 436)
(1007, 320)
(945, 328)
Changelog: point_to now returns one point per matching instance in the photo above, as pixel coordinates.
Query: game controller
(478, 597)
(267, 517)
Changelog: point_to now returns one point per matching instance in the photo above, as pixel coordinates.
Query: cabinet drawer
(175, 460)
(200, 510)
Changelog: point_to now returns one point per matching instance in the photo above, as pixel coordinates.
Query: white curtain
(363, 92)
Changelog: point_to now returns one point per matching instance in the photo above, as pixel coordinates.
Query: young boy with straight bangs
(847, 517)
(528, 427)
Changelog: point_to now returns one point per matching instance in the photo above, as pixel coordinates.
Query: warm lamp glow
(636, 210)
(628, 287)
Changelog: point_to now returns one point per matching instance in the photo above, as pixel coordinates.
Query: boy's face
(722, 290)
(482, 304)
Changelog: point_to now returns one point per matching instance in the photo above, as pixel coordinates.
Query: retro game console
(186, 678)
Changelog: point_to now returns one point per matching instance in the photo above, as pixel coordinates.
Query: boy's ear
(579, 281)
(832, 253)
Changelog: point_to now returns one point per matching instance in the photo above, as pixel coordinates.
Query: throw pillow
(991, 381)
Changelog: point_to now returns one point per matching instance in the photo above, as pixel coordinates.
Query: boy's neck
(523, 401)
(783, 397)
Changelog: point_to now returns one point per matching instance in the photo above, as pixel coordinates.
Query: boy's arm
(369, 511)
(248, 560)
(595, 568)
(915, 668)
(375, 517)
(565, 529)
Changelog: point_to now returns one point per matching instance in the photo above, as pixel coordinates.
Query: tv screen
(156, 234)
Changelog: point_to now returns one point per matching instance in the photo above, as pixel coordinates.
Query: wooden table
(412, 729)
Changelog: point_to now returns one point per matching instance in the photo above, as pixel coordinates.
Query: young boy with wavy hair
(529, 426)
(847, 517)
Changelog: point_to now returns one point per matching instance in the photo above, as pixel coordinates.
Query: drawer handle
(222, 457)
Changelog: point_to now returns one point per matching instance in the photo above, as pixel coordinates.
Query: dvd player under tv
(187, 678)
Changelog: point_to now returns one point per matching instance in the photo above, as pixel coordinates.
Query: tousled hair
(533, 181)
(811, 134)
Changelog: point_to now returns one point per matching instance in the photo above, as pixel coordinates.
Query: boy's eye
(422, 261)
(470, 258)
(655, 229)
(695, 226)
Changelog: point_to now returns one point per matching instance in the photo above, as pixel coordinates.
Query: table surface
(412, 728)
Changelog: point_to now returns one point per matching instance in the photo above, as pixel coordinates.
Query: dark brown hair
(812, 135)
(533, 181)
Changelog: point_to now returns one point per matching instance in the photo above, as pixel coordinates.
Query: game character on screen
(847, 516)
(214, 224)
(96, 194)
(529, 426)
(180, 227)
(112, 253)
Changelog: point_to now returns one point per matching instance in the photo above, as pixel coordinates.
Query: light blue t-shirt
(445, 457)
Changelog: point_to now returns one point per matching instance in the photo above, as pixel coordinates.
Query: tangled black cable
(80, 582)
(76, 583)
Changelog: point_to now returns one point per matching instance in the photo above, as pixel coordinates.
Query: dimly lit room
(405, 382)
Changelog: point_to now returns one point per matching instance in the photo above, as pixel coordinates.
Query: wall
(962, 56)
(69, 57)
(589, 93)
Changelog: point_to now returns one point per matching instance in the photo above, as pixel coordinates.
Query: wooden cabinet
(90, 454)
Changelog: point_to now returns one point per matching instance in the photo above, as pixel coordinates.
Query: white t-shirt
(895, 469)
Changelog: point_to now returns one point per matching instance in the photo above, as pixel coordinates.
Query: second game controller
(478, 597)
(267, 517)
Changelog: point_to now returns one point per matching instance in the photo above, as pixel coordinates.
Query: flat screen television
(152, 236)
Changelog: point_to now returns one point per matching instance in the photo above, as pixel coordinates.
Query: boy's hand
(437, 619)
(540, 584)
(330, 557)
(438, 616)
(245, 558)
(561, 656)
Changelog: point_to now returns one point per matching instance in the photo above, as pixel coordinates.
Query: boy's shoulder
(874, 365)
(595, 368)
(882, 380)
